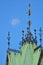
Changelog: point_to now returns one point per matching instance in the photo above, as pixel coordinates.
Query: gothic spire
(29, 34)
(29, 14)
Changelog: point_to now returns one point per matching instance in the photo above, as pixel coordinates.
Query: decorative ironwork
(28, 36)
(8, 40)
(14, 50)
(35, 40)
(29, 24)
(29, 11)
(22, 37)
(40, 35)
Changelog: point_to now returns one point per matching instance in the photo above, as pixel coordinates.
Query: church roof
(30, 53)
(27, 56)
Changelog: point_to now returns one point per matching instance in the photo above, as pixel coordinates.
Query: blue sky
(13, 18)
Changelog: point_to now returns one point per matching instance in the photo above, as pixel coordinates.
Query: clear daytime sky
(13, 18)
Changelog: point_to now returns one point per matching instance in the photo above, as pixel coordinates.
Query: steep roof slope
(27, 55)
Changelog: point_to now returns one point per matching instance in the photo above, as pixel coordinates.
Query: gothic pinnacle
(8, 40)
(40, 35)
(29, 13)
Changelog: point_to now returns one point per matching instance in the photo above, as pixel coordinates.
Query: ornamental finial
(40, 35)
(8, 40)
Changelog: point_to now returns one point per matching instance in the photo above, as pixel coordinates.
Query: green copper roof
(28, 56)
